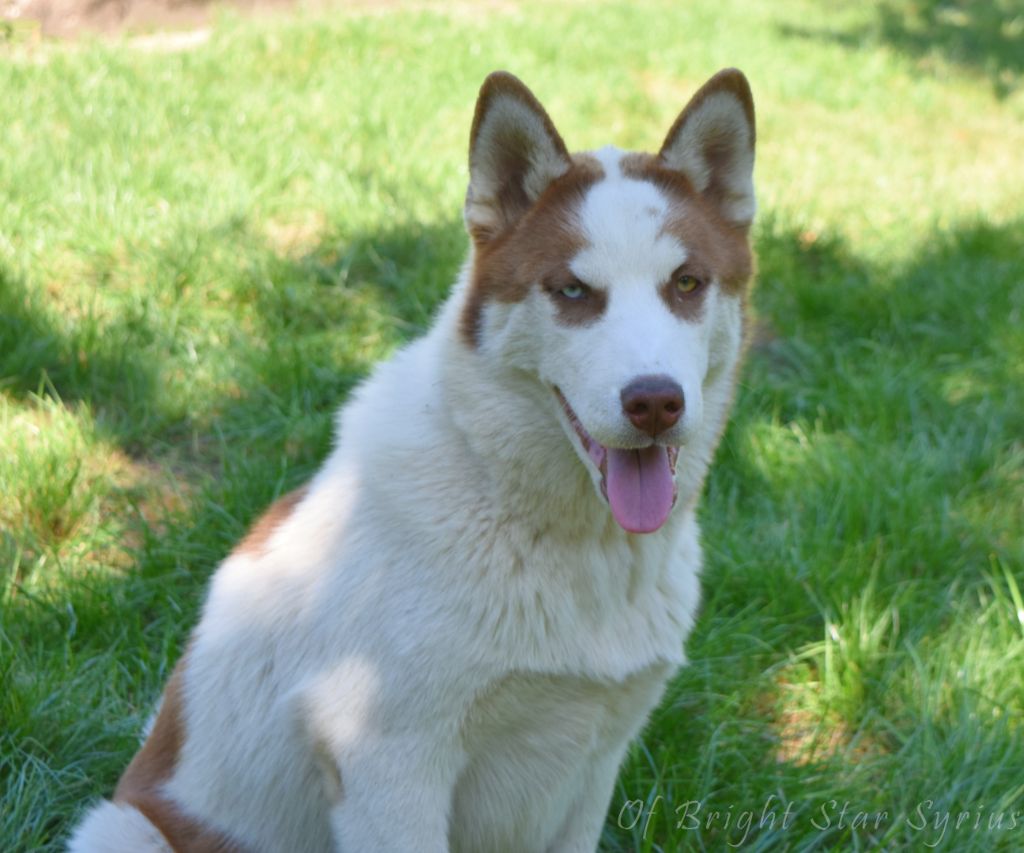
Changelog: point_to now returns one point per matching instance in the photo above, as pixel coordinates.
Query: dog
(447, 640)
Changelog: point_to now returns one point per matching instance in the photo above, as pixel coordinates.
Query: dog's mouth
(638, 483)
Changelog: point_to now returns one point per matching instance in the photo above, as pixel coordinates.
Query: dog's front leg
(393, 793)
(582, 829)
(586, 817)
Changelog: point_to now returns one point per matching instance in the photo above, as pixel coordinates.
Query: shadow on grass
(320, 320)
(38, 357)
(888, 401)
(250, 414)
(926, 354)
(955, 306)
(981, 36)
(298, 332)
(885, 405)
(307, 328)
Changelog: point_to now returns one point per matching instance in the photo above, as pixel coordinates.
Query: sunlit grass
(201, 252)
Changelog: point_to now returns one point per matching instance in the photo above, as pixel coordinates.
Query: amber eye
(687, 284)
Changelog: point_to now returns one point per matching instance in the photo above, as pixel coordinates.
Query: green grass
(201, 252)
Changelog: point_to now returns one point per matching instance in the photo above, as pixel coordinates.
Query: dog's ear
(514, 153)
(712, 143)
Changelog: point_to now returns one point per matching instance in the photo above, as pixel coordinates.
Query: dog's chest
(533, 742)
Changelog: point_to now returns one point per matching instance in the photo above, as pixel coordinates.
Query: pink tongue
(640, 487)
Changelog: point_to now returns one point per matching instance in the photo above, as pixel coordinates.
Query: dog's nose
(652, 403)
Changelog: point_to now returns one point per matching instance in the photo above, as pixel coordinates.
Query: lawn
(202, 250)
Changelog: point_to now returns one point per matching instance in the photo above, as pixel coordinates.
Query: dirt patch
(68, 18)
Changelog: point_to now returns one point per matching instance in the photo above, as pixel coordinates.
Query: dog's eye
(687, 283)
(577, 290)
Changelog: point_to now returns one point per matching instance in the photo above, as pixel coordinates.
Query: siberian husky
(447, 640)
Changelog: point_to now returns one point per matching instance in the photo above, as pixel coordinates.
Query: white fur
(629, 255)
(116, 828)
(450, 642)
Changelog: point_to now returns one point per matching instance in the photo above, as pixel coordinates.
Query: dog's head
(616, 279)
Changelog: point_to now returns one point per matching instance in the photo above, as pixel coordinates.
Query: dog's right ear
(514, 153)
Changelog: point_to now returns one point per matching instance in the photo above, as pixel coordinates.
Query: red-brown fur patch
(687, 306)
(715, 247)
(580, 311)
(255, 540)
(141, 784)
(535, 249)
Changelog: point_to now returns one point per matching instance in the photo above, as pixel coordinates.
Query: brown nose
(652, 403)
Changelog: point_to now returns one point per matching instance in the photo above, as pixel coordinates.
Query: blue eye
(574, 291)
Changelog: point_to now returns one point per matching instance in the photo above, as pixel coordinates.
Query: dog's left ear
(514, 153)
(712, 143)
